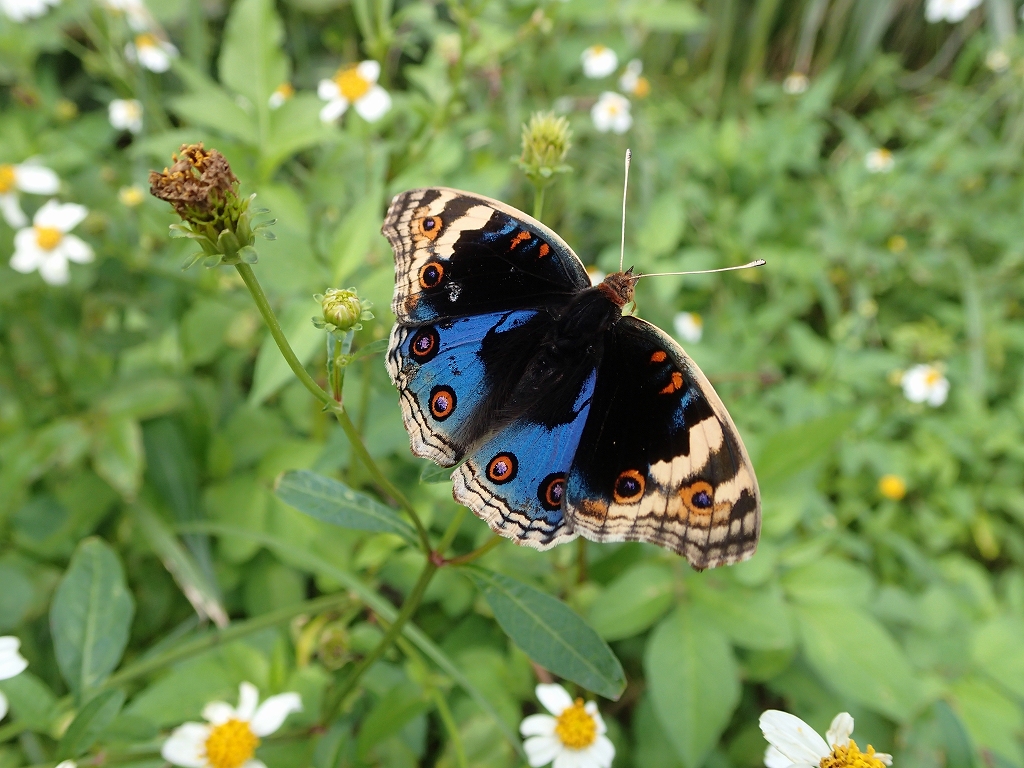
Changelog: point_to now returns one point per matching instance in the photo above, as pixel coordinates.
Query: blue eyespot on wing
(442, 381)
(516, 480)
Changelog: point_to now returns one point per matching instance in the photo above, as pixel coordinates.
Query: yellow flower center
(286, 90)
(851, 757)
(146, 40)
(48, 238)
(932, 377)
(576, 728)
(7, 179)
(130, 196)
(231, 744)
(352, 85)
(892, 487)
(597, 50)
(642, 89)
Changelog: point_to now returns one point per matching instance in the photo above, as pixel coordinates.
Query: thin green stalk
(12, 730)
(232, 632)
(263, 305)
(538, 201)
(479, 552)
(379, 477)
(437, 695)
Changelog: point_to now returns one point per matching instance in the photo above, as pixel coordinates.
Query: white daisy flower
(599, 61)
(138, 15)
(879, 160)
(792, 743)
(925, 384)
(46, 245)
(27, 177)
(689, 326)
(355, 85)
(67, 764)
(949, 10)
(795, 83)
(611, 113)
(632, 81)
(151, 52)
(231, 734)
(22, 10)
(997, 60)
(12, 663)
(126, 114)
(281, 94)
(573, 738)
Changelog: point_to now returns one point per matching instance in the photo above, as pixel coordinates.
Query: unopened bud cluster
(204, 193)
(343, 310)
(546, 142)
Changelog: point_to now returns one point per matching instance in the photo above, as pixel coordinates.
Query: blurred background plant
(153, 554)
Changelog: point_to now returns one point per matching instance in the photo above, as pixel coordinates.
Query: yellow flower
(792, 742)
(892, 487)
(897, 244)
(573, 734)
(357, 86)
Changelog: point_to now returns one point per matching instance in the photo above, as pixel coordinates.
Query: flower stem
(263, 305)
(538, 201)
(479, 552)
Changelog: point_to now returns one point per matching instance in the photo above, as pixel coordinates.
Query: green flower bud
(204, 193)
(546, 143)
(343, 310)
(333, 646)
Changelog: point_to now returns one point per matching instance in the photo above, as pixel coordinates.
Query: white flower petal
(11, 209)
(591, 709)
(374, 105)
(254, 764)
(538, 725)
(840, 730)
(36, 179)
(333, 109)
(570, 758)
(75, 249)
(27, 253)
(541, 750)
(369, 70)
(793, 737)
(885, 757)
(599, 61)
(554, 698)
(218, 712)
(62, 216)
(54, 268)
(67, 764)
(248, 698)
(273, 711)
(775, 759)
(12, 663)
(601, 753)
(3, 705)
(186, 746)
(328, 90)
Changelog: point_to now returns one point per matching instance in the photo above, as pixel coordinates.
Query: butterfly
(562, 415)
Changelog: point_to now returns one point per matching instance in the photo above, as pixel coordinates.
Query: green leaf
(31, 701)
(117, 454)
(634, 601)
(89, 723)
(551, 633)
(252, 59)
(998, 651)
(272, 371)
(432, 473)
(392, 711)
(856, 657)
(958, 751)
(335, 503)
(694, 683)
(994, 721)
(213, 108)
(829, 581)
(795, 448)
(758, 619)
(91, 616)
(144, 399)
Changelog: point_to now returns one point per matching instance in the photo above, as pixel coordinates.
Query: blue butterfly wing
(515, 479)
(442, 380)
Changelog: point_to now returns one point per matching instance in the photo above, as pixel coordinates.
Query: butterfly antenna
(625, 186)
(755, 263)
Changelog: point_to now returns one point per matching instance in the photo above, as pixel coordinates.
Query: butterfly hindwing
(515, 480)
(659, 459)
(459, 254)
(443, 380)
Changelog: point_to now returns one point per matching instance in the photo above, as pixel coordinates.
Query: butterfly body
(567, 416)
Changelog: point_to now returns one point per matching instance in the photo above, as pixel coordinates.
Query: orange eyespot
(424, 344)
(551, 491)
(442, 402)
(429, 227)
(431, 274)
(658, 357)
(673, 386)
(698, 497)
(629, 487)
(502, 468)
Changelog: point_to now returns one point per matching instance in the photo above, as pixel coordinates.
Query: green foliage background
(145, 415)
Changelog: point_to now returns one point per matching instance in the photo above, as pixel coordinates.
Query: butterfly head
(618, 287)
